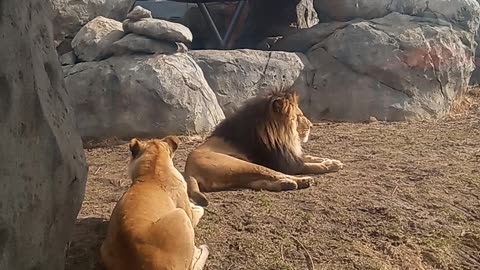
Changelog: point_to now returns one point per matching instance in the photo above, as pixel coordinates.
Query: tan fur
(152, 225)
(226, 160)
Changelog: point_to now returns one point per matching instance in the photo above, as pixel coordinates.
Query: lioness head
(145, 154)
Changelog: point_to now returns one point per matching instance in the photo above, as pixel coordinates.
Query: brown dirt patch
(408, 198)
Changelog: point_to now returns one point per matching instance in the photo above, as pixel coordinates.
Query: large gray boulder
(475, 79)
(42, 165)
(238, 75)
(141, 96)
(137, 44)
(94, 39)
(139, 13)
(159, 29)
(71, 15)
(393, 68)
(463, 13)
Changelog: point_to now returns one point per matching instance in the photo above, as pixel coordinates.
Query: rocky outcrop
(71, 15)
(42, 165)
(159, 29)
(475, 79)
(139, 34)
(393, 60)
(462, 13)
(394, 68)
(266, 18)
(145, 96)
(133, 43)
(238, 75)
(139, 13)
(94, 40)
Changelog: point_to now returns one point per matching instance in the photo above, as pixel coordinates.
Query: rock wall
(238, 75)
(138, 80)
(475, 79)
(70, 15)
(141, 95)
(42, 165)
(392, 60)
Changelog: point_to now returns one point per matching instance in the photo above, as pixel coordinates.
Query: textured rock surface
(475, 79)
(393, 68)
(159, 29)
(42, 165)
(68, 59)
(303, 39)
(464, 13)
(238, 75)
(140, 96)
(71, 15)
(133, 43)
(93, 41)
(139, 13)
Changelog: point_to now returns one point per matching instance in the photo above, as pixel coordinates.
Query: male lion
(259, 147)
(152, 225)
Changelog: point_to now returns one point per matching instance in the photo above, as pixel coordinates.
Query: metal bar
(211, 23)
(233, 22)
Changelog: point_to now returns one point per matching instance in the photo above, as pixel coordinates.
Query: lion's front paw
(333, 165)
(288, 184)
(304, 182)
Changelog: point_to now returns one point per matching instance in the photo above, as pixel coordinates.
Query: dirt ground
(408, 198)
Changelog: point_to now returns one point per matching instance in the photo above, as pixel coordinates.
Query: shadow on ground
(84, 249)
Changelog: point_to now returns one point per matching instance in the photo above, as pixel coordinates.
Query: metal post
(233, 22)
(210, 22)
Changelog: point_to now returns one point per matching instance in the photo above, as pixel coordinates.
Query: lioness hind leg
(200, 257)
(193, 191)
(197, 213)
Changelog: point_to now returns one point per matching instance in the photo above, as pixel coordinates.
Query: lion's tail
(194, 191)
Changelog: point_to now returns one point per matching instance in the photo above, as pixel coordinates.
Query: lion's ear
(173, 142)
(280, 105)
(134, 146)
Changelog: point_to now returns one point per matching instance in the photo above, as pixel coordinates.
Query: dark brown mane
(260, 135)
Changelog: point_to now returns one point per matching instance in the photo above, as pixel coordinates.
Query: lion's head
(269, 130)
(145, 155)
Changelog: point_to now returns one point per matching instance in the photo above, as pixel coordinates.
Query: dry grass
(466, 103)
(408, 198)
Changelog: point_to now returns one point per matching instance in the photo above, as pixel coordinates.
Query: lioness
(258, 147)
(152, 225)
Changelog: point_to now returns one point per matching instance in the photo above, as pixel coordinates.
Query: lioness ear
(280, 105)
(173, 142)
(134, 146)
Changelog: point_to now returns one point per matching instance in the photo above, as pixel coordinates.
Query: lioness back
(151, 226)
